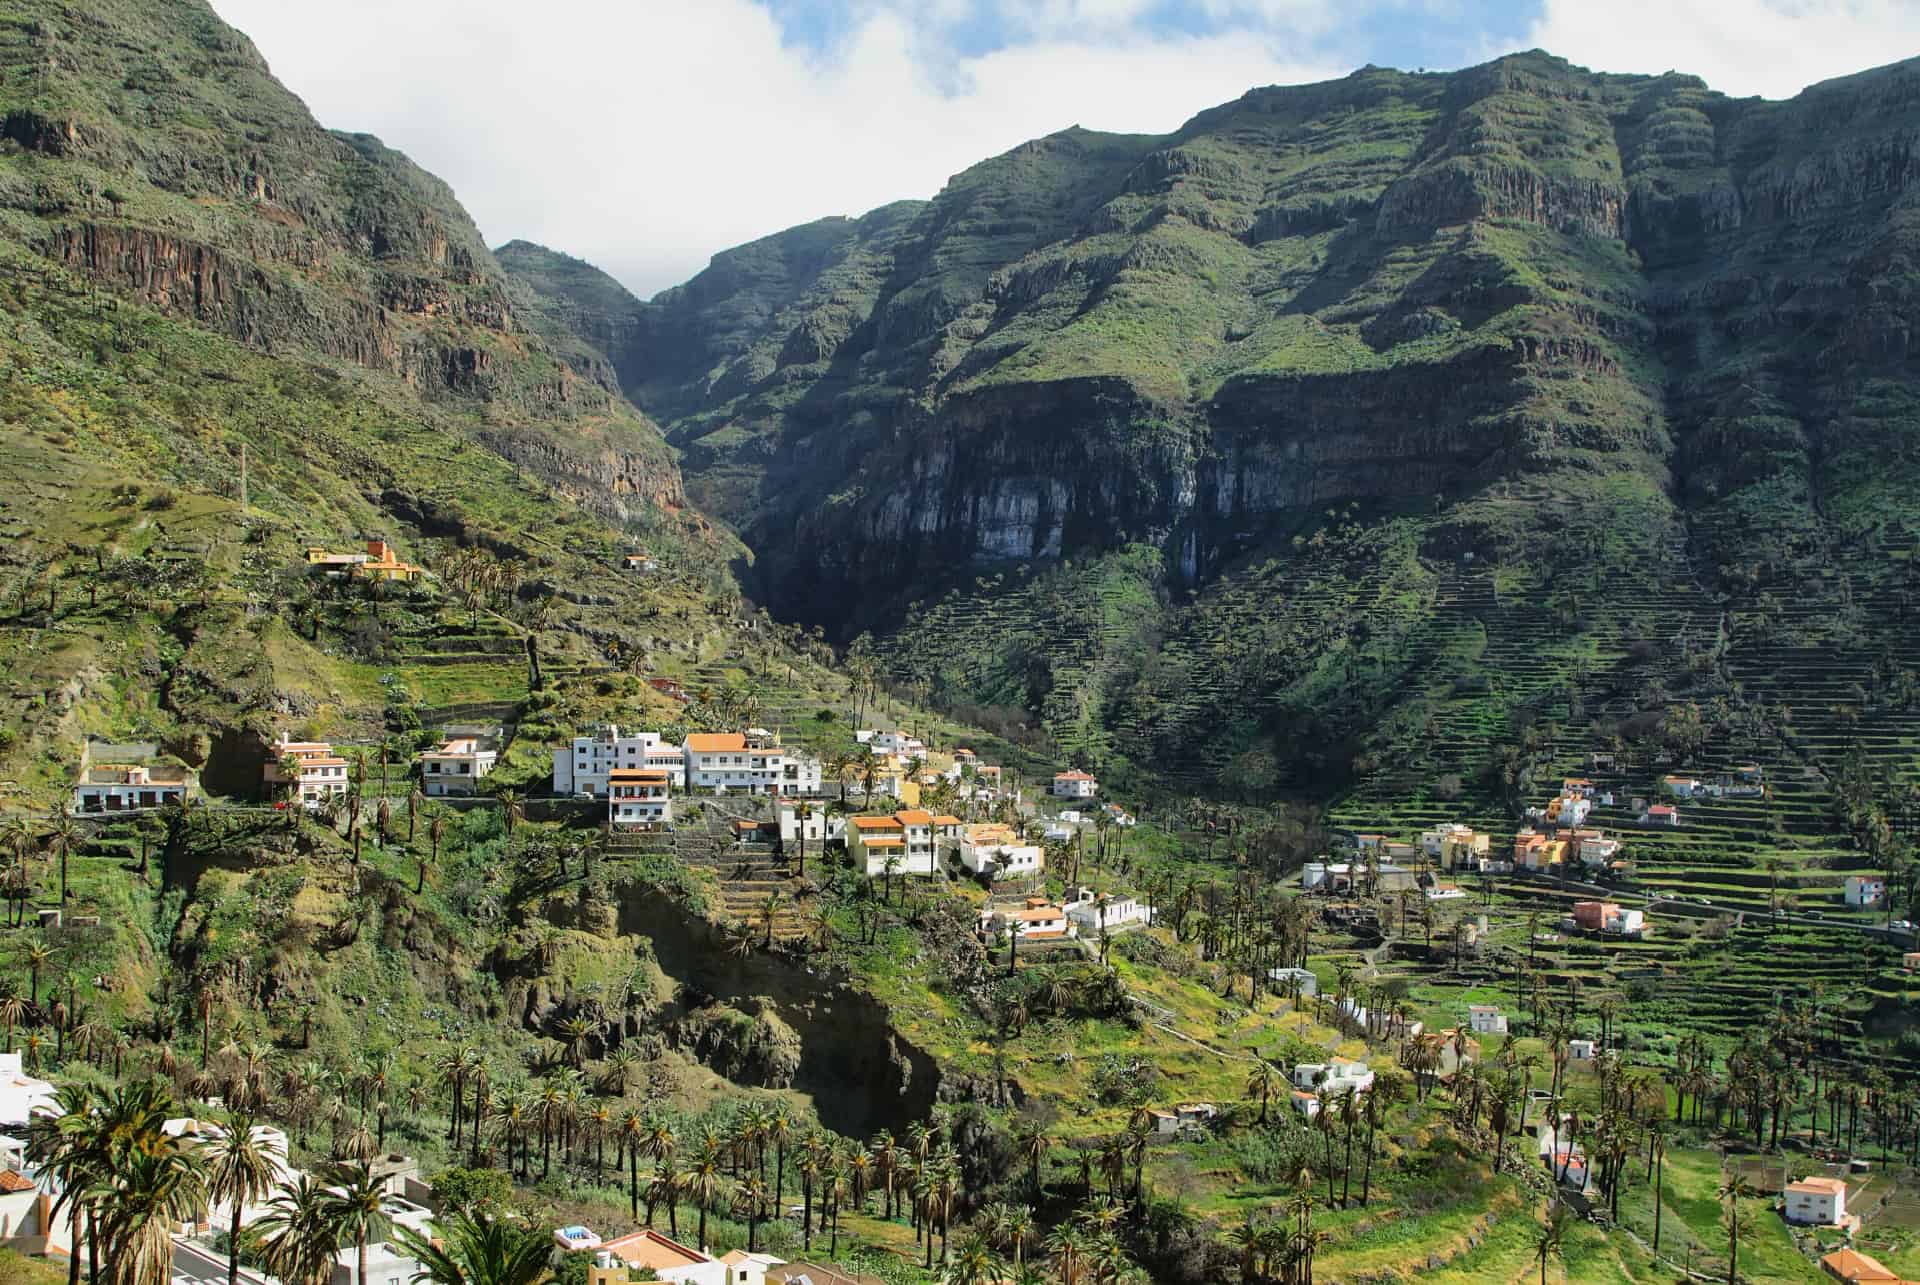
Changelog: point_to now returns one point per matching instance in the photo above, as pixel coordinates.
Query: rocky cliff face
(151, 150)
(1507, 304)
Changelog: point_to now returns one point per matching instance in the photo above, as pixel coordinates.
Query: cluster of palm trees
(23, 841)
(1279, 1250)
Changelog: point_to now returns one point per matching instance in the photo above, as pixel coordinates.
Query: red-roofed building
(1075, 785)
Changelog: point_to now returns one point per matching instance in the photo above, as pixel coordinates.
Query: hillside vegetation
(1538, 332)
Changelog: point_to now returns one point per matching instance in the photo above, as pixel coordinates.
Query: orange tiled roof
(914, 816)
(13, 1181)
(875, 823)
(713, 742)
(648, 1248)
(1852, 1265)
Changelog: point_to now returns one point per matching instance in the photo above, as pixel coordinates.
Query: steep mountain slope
(149, 148)
(196, 274)
(1574, 328)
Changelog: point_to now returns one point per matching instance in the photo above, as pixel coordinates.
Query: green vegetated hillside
(1218, 447)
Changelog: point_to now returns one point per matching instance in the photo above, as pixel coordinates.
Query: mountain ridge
(1525, 298)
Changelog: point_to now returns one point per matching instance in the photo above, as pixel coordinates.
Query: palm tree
(702, 1179)
(975, 1264)
(60, 839)
(1030, 1143)
(436, 831)
(1551, 1238)
(354, 1209)
(1734, 1190)
(1013, 1227)
(1260, 1085)
(296, 1238)
(67, 1149)
(149, 1190)
(242, 1167)
(477, 1249)
(512, 809)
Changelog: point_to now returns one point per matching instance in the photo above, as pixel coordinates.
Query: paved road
(194, 1265)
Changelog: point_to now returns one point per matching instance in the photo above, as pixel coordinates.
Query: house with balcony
(310, 769)
(639, 798)
(908, 835)
(457, 765)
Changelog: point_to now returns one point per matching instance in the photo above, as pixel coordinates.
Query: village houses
(1037, 919)
(1485, 1019)
(748, 762)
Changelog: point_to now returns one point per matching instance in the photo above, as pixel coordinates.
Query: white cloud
(646, 136)
(1773, 48)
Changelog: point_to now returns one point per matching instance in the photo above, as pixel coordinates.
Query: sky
(646, 135)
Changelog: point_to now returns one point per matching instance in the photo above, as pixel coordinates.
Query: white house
(1485, 1019)
(583, 766)
(1817, 1202)
(1682, 787)
(27, 1223)
(996, 851)
(749, 1269)
(1283, 977)
(1092, 913)
(1865, 890)
(800, 820)
(911, 834)
(1569, 810)
(1075, 785)
(801, 774)
(728, 761)
(129, 787)
(1663, 814)
(22, 1096)
(457, 766)
(897, 742)
(1336, 1076)
(1594, 848)
(639, 797)
(1581, 1050)
(311, 767)
(1456, 843)
(386, 1265)
(1038, 918)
